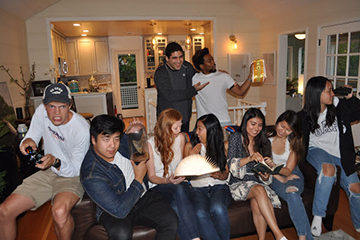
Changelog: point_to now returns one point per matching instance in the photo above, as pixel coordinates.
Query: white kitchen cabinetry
(96, 103)
(59, 47)
(154, 56)
(87, 55)
(73, 65)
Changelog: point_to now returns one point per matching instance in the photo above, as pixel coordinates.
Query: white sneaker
(283, 238)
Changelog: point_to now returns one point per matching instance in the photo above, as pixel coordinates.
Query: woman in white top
(287, 148)
(210, 195)
(166, 151)
(328, 140)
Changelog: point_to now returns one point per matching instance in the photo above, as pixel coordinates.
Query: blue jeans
(211, 204)
(317, 157)
(178, 196)
(296, 207)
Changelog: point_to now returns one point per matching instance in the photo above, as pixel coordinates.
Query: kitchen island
(94, 102)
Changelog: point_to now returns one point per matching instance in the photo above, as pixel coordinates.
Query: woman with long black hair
(328, 142)
(210, 195)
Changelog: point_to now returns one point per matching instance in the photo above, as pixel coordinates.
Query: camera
(34, 155)
(342, 91)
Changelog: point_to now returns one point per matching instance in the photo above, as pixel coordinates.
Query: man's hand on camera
(47, 161)
(26, 143)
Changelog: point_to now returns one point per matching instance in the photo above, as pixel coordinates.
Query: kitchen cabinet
(59, 48)
(88, 55)
(73, 65)
(154, 56)
(96, 103)
(198, 43)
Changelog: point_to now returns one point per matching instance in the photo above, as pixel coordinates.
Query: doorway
(128, 97)
(292, 71)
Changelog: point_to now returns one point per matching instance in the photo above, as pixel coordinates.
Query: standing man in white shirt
(212, 99)
(66, 140)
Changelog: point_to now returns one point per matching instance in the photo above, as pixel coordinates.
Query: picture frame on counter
(39, 87)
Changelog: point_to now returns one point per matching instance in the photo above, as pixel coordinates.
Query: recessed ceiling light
(193, 29)
(201, 33)
(85, 30)
(76, 24)
(84, 35)
(159, 33)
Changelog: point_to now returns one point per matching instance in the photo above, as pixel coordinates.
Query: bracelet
(57, 163)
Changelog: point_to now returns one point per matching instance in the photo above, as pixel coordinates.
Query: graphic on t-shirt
(323, 129)
(56, 135)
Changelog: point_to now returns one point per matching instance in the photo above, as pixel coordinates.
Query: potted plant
(25, 85)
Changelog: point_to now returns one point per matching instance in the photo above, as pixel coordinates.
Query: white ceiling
(25, 9)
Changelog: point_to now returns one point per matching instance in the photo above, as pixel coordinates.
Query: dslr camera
(34, 155)
(342, 91)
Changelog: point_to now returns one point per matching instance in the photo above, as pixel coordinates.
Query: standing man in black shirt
(174, 84)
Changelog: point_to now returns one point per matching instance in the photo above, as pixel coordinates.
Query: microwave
(63, 67)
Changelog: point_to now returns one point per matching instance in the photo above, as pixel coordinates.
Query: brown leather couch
(240, 214)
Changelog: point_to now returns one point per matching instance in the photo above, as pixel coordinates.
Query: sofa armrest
(84, 214)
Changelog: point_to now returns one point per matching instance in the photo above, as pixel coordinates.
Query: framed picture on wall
(270, 65)
(239, 66)
(39, 87)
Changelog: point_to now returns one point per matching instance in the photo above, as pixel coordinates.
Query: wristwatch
(250, 79)
(57, 163)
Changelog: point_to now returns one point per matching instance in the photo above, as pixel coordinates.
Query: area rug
(335, 235)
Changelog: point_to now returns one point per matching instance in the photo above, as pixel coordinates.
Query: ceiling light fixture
(83, 35)
(76, 24)
(300, 36)
(159, 33)
(233, 41)
(85, 30)
(193, 29)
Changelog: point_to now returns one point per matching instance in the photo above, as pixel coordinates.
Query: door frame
(282, 64)
(116, 83)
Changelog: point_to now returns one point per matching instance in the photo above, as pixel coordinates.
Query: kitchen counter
(94, 102)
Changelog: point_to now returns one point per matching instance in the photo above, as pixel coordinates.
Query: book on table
(264, 168)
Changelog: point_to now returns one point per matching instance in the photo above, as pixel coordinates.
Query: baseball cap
(57, 92)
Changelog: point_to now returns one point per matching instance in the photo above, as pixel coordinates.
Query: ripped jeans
(294, 201)
(317, 157)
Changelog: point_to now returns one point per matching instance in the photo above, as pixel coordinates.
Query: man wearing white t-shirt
(66, 140)
(212, 99)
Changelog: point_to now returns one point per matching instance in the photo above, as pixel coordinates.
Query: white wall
(13, 49)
